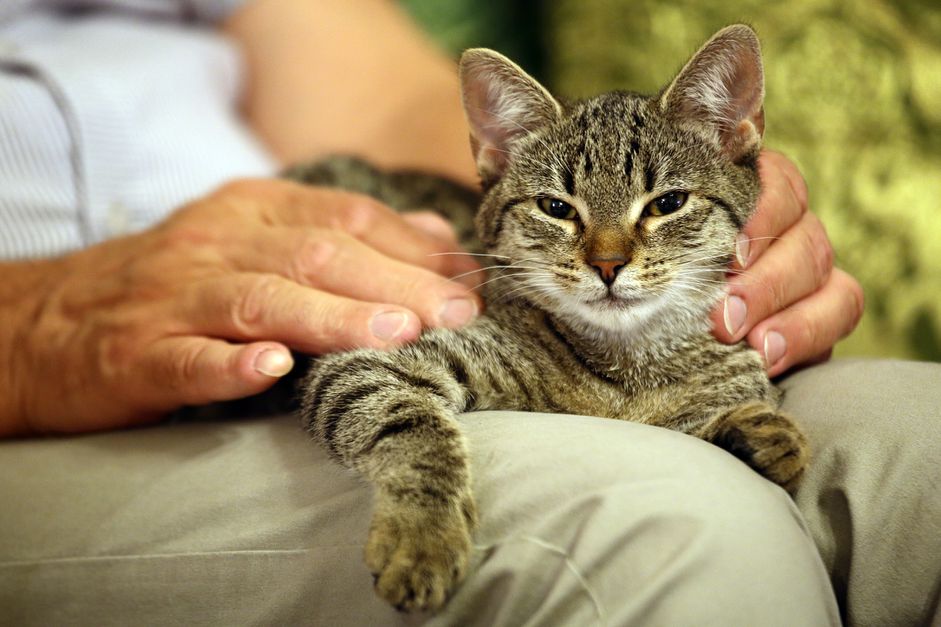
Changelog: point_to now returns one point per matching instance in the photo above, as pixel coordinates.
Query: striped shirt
(112, 114)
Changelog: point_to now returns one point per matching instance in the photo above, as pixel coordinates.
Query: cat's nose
(608, 269)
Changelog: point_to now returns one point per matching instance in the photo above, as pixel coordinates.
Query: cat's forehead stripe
(650, 178)
(568, 180)
(610, 125)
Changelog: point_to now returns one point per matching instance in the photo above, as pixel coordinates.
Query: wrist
(26, 288)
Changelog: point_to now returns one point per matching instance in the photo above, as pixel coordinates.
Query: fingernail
(775, 347)
(458, 311)
(388, 325)
(741, 250)
(734, 314)
(273, 363)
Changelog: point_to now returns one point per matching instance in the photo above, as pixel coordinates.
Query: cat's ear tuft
(723, 86)
(503, 104)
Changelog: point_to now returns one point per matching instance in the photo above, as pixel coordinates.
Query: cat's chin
(633, 316)
(613, 314)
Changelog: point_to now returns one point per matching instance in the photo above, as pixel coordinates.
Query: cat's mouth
(611, 301)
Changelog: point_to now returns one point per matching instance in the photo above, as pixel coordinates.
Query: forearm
(353, 77)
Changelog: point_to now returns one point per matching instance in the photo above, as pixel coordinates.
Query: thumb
(197, 370)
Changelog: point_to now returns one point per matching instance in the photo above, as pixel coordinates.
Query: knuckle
(186, 234)
(817, 248)
(779, 294)
(858, 304)
(787, 173)
(436, 223)
(359, 216)
(314, 255)
(809, 340)
(184, 374)
(419, 293)
(244, 187)
(797, 183)
(252, 199)
(116, 355)
(824, 256)
(255, 298)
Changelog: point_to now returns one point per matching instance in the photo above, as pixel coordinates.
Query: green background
(853, 96)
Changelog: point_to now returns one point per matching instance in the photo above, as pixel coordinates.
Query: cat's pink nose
(608, 269)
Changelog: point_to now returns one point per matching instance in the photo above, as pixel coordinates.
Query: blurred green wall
(853, 96)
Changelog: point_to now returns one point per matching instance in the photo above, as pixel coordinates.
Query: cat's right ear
(503, 104)
(723, 87)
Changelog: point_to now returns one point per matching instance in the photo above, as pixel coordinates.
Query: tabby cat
(610, 223)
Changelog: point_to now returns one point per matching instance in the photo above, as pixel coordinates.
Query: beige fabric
(873, 495)
(585, 521)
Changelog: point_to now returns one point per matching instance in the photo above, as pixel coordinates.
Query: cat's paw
(763, 438)
(418, 554)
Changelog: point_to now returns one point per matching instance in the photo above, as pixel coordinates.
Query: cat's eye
(556, 208)
(666, 204)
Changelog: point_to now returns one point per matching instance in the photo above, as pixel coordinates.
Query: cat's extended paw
(418, 554)
(763, 438)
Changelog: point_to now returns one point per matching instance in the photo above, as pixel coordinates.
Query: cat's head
(620, 209)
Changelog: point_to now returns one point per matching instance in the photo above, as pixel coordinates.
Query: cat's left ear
(503, 104)
(723, 86)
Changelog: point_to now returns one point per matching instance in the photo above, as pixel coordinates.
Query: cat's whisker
(750, 278)
(504, 267)
(705, 292)
(468, 273)
(468, 255)
(528, 281)
(509, 276)
(758, 239)
(686, 256)
(529, 290)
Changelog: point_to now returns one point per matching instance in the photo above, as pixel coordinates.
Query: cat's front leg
(419, 544)
(394, 422)
(764, 438)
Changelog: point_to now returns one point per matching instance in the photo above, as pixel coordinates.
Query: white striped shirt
(112, 116)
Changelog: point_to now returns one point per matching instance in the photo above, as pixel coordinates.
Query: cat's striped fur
(602, 311)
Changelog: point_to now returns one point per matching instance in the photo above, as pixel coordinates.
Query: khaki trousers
(585, 521)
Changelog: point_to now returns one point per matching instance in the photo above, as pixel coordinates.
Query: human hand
(205, 306)
(785, 297)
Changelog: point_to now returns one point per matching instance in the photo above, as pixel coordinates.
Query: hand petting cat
(785, 297)
(205, 306)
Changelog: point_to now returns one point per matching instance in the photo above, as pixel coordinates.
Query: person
(154, 261)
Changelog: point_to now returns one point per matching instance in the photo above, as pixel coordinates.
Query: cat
(609, 223)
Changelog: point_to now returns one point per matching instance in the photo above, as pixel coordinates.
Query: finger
(254, 306)
(334, 262)
(433, 224)
(436, 225)
(782, 203)
(367, 220)
(806, 331)
(797, 265)
(188, 370)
